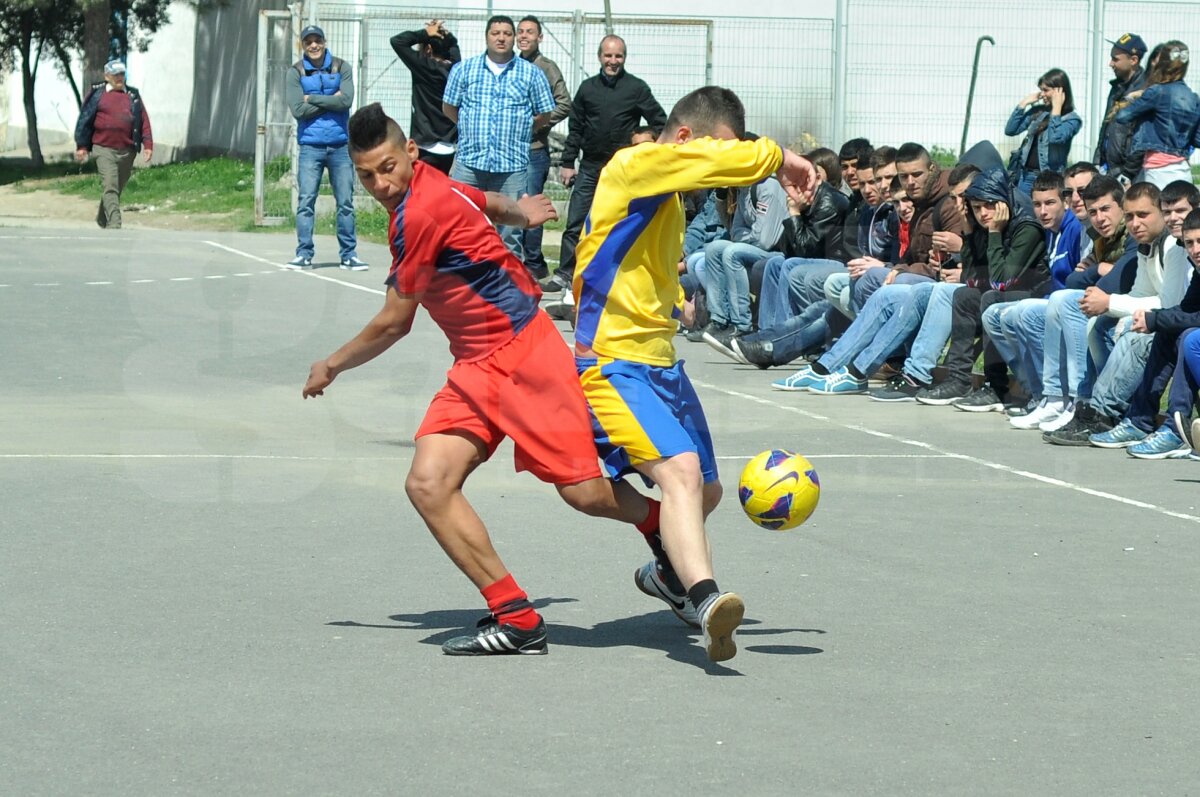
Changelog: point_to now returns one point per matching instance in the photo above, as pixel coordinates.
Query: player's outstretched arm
(528, 211)
(388, 326)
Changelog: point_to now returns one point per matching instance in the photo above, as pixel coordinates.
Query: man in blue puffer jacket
(320, 92)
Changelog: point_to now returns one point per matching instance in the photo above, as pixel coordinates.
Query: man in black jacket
(1115, 143)
(604, 112)
(429, 54)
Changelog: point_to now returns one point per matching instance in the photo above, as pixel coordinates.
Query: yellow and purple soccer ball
(779, 490)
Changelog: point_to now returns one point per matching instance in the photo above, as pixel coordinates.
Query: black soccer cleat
(494, 639)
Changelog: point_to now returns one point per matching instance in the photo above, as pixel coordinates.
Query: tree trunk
(95, 40)
(28, 78)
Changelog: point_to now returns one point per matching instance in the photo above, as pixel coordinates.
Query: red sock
(509, 604)
(650, 524)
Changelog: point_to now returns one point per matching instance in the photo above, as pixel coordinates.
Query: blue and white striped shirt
(495, 112)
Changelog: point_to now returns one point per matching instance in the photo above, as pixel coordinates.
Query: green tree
(30, 29)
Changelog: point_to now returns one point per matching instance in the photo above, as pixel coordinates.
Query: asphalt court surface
(210, 586)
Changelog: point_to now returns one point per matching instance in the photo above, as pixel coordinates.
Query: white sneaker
(720, 615)
(1046, 410)
(1060, 420)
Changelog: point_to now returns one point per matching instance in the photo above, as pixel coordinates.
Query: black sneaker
(1079, 431)
(695, 335)
(900, 387)
(494, 639)
(754, 352)
(719, 337)
(944, 393)
(983, 399)
(1019, 409)
(553, 283)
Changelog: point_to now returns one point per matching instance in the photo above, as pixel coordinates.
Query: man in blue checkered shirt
(497, 99)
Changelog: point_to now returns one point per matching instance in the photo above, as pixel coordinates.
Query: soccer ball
(779, 490)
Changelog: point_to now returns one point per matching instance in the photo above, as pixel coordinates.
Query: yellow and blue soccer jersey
(626, 279)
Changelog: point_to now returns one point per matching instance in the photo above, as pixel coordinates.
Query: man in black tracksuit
(604, 112)
(429, 54)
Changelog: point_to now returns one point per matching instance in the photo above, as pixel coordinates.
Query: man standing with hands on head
(320, 92)
(497, 100)
(436, 52)
(113, 125)
(604, 112)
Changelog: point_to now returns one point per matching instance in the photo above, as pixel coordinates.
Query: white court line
(46, 284)
(214, 277)
(355, 286)
(141, 282)
(852, 456)
(97, 283)
(243, 274)
(204, 456)
(855, 427)
(181, 279)
(1025, 474)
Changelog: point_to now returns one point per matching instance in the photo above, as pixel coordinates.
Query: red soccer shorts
(526, 390)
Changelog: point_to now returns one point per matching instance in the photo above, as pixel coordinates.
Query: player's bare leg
(607, 499)
(434, 485)
(685, 504)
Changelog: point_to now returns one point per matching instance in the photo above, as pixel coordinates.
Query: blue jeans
(535, 182)
(862, 288)
(695, 267)
(1017, 330)
(878, 331)
(313, 161)
(1167, 360)
(1066, 346)
(838, 293)
(932, 303)
(797, 335)
(511, 184)
(728, 291)
(779, 299)
(1122, 373)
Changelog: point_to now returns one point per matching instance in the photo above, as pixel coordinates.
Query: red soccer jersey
(447, 254)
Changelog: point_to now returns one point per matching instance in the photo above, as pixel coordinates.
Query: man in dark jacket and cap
(1114, 145)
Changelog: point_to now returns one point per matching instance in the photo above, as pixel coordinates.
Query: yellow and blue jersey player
(646, 415)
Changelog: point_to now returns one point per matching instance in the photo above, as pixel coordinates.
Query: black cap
(312, 30)
(1130, 43)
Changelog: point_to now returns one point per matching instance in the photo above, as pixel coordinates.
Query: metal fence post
(260, 122)
(841, 25)
(708, 53)
(577, 49)
(1096, 78)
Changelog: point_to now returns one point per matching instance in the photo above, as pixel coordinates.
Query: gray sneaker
(648, 578)
(720, 615)
(354, 264)
(300, 261)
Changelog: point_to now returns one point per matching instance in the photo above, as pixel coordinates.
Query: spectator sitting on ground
(1167, 360)
(1016, 329)
(757, 228)
(1121, 349)
(1049, 116)
(876, 231)
(1101, 385)
(794, 282)
(1167, 116)
(1186, 380)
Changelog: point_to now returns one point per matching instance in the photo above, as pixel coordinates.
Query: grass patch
(16, 170)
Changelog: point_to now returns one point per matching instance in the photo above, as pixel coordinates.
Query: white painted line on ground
(97, 283)
(954, 455)
(203, 456)
(46, 284)
(142, 282)
(355, 286)
(243, 274)
(214, 276)
(181, 279)
(744, 457)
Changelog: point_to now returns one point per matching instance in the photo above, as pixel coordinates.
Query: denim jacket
(1054, 145)
(1168, 114)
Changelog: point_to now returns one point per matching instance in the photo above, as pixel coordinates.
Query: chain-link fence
(907, 64)
(275, 140)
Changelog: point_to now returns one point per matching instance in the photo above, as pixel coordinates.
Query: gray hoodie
(761, 211)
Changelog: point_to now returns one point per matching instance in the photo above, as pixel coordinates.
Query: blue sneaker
(797, 381)
(1122, 435)
(838, 383)
(1163, 444)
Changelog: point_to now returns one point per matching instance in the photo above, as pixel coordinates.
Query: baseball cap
(312, 30)
(114, 67)
(1130, 43)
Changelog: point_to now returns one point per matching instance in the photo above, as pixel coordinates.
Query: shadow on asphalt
(659, 631)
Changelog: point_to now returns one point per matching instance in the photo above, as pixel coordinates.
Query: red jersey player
(512, 374)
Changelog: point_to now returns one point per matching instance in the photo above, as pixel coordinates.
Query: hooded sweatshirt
(1013, 259)
(760, 214)
(1062, 249)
